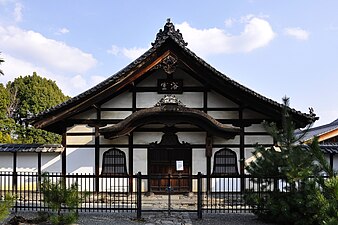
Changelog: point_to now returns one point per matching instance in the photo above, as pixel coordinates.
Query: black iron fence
(139, 193)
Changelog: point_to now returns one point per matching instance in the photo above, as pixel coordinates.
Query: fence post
(199, 195)
(139, 195)
(169, 194)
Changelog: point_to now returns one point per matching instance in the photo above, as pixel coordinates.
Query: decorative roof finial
(169, 31)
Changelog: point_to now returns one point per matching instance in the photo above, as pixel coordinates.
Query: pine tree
(290, 176)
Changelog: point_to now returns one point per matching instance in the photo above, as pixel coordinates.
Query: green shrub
(61, 199)
(5, 206)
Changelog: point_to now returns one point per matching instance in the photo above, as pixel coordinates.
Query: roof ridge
(169, 31)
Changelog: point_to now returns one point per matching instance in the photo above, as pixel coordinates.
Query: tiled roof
(168, 32)
(320, 130)
(329, 148)
(31, 148)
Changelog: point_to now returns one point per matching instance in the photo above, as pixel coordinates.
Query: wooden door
(164, 162)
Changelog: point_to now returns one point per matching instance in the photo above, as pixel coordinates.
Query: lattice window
(225, 162)
(114, 162)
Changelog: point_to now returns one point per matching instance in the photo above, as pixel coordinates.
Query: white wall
(335, 162)
(27, 162)
(80, 160)
(6, 162)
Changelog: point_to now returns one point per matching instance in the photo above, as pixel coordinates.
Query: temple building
(167, 112)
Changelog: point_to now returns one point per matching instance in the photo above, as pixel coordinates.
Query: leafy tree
(292, 189)
(35, 94)
(4, 103)
(22, 98)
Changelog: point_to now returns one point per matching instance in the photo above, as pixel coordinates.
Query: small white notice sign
(179, 165)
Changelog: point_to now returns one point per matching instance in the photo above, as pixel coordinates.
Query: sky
(276, 48)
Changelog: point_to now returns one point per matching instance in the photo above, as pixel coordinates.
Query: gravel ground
(156, 218)
(227, 219)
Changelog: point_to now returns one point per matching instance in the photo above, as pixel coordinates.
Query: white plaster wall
(6, 162)
(335, 162)
(192, 137)
(115, 114)
(260, 139)
(89, 114)
(123, 100)
(27, 162)
(224, 114)
(147, 137)
(140, 161)
(80, 160)
(51, 162)
(219, 140)
(147, 99)
(191, 99)
(199, 161)
(80, 128)
(120, 140)
(255, 128)
(216, 100)
(80, 140)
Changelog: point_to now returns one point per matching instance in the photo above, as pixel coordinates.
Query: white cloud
(130, 53)
(297, 32)
(14, 67)
(229, 22)
(35, 48)
(257, 33)
(18, 12)
(96, 79)
(62, 31)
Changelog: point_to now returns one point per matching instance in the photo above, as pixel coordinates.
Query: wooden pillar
(130, 160)
(63, 155)
(241, 148)
(97, 148)
(15, 177)
(97, 159)
(331, 161)
(39, 171)
(208, 142)
(208, 154)
(39, 163)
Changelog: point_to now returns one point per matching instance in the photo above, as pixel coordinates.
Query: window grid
(114, 162)
(225, 162)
